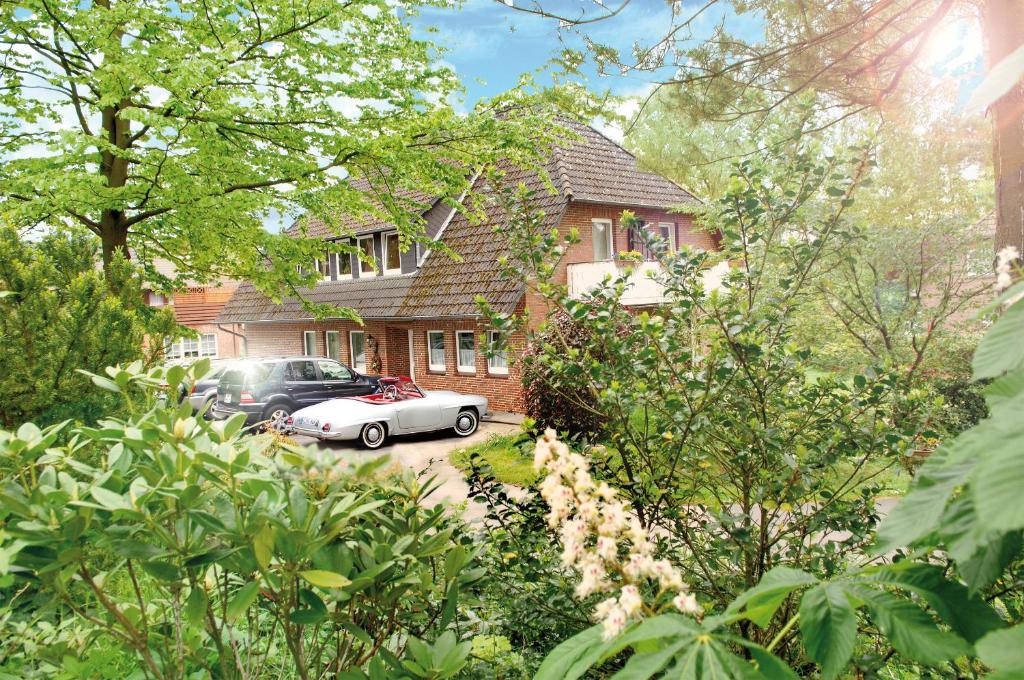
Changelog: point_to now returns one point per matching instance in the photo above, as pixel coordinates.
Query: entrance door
(412, 356)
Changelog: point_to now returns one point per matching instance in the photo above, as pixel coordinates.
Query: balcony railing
(642, 288)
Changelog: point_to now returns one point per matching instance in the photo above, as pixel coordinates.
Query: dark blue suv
(271, 389)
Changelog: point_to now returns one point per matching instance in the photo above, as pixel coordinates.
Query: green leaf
(643, 666)
(324, 579)
(760, 602)
(263, 545)
(243, 598)
(828, 624)
(987, 564)
(165, 571)
(1000, 394)
(105, 383)
(195, 605)
(910, 629)
(572, 658)
(999, 475)
(1001, 650)
(306, 617)
(918, 513)
(109, 499)
(1001, 349)
(967, 614)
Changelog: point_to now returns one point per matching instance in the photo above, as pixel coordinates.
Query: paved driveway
(430, 452)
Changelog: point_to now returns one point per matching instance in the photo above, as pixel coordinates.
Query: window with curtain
(309, 343)
(392, 255)
(497, 354)
(466, 343)
(368, 261)
(357, 344)
(342, 265)
(602, 236)
(667, 230)
(192, 348)
(435, 350)
(332, 342)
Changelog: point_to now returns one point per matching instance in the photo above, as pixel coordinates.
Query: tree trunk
(113, 222)
(1003, 26)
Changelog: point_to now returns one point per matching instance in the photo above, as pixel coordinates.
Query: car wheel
(373, 435)
(466, 423)
(275, 415)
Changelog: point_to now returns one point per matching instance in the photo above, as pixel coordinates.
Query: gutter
(245, 344)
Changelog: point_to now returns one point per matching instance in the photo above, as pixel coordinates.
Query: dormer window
(367, 257)
(392, 254)
(322, 267)
(342, 265)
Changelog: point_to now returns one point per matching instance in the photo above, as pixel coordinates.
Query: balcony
(642, 289)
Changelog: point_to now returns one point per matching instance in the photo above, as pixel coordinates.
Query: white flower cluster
(602, 539)
(1004, 261)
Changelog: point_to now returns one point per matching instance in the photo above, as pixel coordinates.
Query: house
(198, 306)
(419, 310)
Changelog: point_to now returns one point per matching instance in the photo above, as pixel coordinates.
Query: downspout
(245, 345)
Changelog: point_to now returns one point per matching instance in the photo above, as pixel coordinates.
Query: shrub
(57, 315)
(560, 399)
(199, 551)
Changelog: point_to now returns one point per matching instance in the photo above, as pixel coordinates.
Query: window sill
(466, 371)
(438, 369)
(497, 374)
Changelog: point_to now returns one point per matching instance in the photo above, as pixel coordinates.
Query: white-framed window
(465, 344)
(667, 230)
(192, 348)
(357, 345)
(323, 267)
(392, 253)
(603, 243)
(497, 353)
(342, 265)
(157, 299)
(309, 343)
(332, 343)
(367, 259)
(435, 350)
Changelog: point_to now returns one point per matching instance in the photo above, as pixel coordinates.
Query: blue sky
(490, 45)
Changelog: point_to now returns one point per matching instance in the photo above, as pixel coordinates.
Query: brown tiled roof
(414, 202)
(590, 168)
(376, 297)
(446, 287)
(594, 168)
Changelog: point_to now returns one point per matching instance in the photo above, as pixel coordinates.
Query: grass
(511, 465)
(504, 453)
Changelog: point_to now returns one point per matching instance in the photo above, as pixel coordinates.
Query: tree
(174, 130)
(57, 316)
(854, 56)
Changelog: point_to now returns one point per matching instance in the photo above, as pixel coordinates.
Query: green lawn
(511, 465)
(504, 453)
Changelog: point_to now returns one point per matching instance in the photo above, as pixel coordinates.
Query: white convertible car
(399, 408)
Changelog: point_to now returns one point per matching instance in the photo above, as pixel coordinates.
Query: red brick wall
(581, 216)
(503, 391)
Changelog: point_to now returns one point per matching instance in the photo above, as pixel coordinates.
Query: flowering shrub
(961, 511)
(604, 541)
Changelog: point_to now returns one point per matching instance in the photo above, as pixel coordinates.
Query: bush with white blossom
(604, 541)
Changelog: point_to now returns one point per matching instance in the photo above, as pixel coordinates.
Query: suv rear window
(248, 373)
